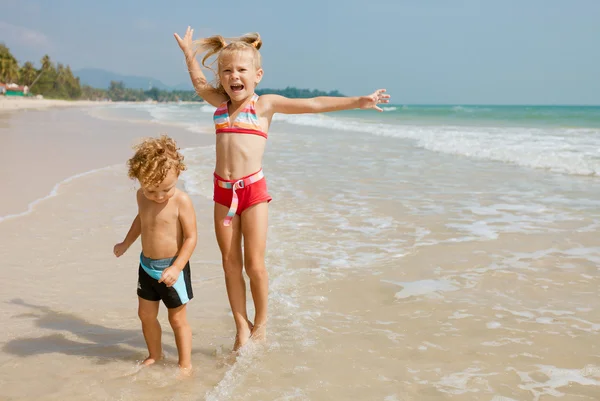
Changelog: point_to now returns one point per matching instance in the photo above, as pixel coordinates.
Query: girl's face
(238, 74)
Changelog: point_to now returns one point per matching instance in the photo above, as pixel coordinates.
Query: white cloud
(22, 36)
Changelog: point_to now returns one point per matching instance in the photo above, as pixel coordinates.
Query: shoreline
(8, 104)
(46, 148)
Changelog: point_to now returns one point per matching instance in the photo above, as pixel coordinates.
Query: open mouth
(237, 88)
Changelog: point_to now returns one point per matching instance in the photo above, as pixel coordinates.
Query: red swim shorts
(249, 195)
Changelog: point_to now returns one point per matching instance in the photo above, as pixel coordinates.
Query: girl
(242, 121)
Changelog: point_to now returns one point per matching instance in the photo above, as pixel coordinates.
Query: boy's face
(163, 191)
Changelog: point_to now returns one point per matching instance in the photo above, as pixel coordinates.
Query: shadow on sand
(103, 343)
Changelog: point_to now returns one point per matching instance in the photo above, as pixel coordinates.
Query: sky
(421, 51)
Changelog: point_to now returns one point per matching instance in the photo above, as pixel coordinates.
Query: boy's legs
(148, 313)
(229, 239)
(183, 335)
(255, 222)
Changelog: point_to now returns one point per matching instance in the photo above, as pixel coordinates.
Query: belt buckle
(240, 184)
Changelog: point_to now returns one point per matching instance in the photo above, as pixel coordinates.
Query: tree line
(51, 80)
(117, 92)
(56, 81)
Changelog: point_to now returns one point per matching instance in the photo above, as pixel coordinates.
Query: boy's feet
(242, 336)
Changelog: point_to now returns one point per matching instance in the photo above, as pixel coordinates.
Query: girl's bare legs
(183, 336)
(148, 313)
(230, 243)
(255, 222)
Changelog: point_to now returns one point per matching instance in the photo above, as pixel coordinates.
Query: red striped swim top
(246, 121)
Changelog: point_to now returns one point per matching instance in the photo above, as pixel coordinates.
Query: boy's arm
(204, 89)
(187, 218)
(136, 227)
(322, 104)
(134, 231)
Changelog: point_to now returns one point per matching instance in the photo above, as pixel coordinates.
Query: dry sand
(23, 103)
(39, 149)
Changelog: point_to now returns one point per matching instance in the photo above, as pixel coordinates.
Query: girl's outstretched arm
(322, 104)
(203, 88)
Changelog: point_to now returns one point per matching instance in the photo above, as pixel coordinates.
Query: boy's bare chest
(158, 216)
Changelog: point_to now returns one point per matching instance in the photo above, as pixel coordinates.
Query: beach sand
(70, 302)
(41, 148)
(26, 103)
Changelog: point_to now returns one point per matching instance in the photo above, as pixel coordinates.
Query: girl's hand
(186, 43)
(371, 101)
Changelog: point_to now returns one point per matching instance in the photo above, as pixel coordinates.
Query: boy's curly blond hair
(153, 159)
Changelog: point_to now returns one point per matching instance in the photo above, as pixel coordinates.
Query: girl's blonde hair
(153, 159)
(220, 47)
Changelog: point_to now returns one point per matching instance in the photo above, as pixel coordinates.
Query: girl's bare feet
(150, 361)
(185, 372)
(242, 336)
(259, 333)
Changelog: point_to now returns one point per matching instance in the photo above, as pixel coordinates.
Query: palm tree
(3, 49)
(27, 73)
(73, 85)
(46, 63)
(9, 70)
(45, 85)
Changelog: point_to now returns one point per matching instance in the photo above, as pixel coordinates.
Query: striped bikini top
(246, 121)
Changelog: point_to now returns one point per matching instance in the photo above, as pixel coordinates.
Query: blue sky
(422, 51)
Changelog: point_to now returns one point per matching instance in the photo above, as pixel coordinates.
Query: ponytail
(211, 45)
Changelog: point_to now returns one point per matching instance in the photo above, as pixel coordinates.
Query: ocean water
(555, 138)
(423, 253)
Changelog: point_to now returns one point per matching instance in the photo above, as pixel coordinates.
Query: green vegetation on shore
(51, 81)
(298, 93)
(118, 92)
(56, 81)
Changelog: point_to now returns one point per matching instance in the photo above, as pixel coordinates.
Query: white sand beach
(8, 103)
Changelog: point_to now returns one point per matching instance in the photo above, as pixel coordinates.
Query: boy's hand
(371, 101)
(186, 43)
(170, 276)
(120, 249)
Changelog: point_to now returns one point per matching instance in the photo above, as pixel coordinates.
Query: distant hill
(98, 78)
